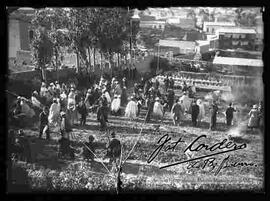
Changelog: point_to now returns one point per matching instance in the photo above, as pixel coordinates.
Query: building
(239, 66)
(177, 47)
(157, 24)
(237, 38)
(202, 46)
(213, 27)
(20, 35)
(213, 41)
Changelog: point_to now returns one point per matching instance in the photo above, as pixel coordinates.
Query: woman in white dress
(202, 110)
(158, 109)
(131, 109)
(71, 106)
(54, 112)
(115, 106)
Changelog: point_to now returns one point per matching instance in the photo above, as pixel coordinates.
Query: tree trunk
(118, 61)
(89, 55)
(94, 59)
(43, 74)
(78, 63)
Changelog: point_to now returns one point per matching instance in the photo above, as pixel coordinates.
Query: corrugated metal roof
(238, 61)
(180, 44)
(237, 30)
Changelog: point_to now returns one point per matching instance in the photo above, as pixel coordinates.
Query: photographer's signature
(165, 143)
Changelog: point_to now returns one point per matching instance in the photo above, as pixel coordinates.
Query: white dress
(186, 102)
(201, 112)
(158, 110)
(35, 102)
(131, 109)
(115, 106)
(54, 113)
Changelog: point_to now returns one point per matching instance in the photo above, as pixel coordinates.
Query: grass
(49, 173)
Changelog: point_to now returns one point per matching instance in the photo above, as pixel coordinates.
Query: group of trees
(81, 30)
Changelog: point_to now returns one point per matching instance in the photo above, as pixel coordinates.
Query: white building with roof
(213, 27)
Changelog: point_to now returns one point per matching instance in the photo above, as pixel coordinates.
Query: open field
(48, 172)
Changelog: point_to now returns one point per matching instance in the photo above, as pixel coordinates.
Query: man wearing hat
(177, 112)
(229, 114)
(90, 149)
(54, 112)
(24, 144)
(114, 149)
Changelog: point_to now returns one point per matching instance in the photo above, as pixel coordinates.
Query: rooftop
(238, 61)
(220, 23)
(174, 43)
(237, 30)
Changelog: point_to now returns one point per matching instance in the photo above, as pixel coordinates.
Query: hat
(119, 96)
(113, 134)
(91, 138)
(157, 99)
(51, 84)
(72, 89)
(115, 96)
(56, 82)
(62, 113)
(255, 106)
(89, 91)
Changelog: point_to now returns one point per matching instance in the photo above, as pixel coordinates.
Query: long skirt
(131, 110)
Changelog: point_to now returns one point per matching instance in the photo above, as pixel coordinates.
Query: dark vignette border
(140, 195)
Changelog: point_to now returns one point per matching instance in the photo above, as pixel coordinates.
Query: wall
(13, 38)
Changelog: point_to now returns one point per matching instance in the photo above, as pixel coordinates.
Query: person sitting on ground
(23, 144)
(65, 148)
(114, 149)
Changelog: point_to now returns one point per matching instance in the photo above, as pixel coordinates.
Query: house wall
(13, 38)
(233, 41)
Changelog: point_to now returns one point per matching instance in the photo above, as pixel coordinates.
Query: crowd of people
(65, 106)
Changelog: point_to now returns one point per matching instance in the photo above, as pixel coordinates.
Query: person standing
(170, 98)
(44, 123)
(202, 110)
(158, 109)
(166, 83)
(177, 112)
(195, 110)
(102, 114)
(253, 117)
(213, 113)
(114, 149)
(82, 111)
(171, 83)
(150, 105)
(229, 114)
(131, 109)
